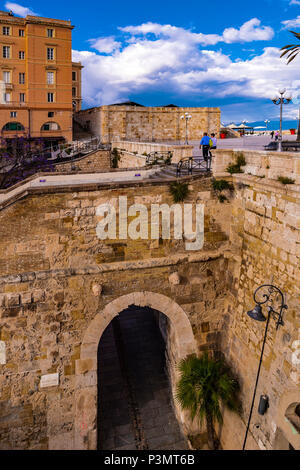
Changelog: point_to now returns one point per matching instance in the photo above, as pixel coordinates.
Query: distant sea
(272, 126)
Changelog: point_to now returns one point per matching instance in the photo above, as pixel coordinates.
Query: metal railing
(188, 165)
(158, 158)
(69, 152)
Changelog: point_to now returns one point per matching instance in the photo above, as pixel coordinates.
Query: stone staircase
(79, 133)
(169, 172)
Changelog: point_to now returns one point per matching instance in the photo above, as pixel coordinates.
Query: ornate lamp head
(256, 314)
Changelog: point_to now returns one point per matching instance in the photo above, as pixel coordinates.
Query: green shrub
(221, 185)
(285, 180)
(179, 191)
(240, 161)
(222, 198)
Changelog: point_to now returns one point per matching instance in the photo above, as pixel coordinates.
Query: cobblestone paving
(140, 391)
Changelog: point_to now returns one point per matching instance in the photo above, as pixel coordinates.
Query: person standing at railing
(205, 144)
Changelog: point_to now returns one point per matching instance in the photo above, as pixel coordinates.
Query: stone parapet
(263, 164)
(179, 151)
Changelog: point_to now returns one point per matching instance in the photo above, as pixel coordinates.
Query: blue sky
(192, 53)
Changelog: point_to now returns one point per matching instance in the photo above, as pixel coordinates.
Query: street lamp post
(244, 122)
(268, 295)
(187, 117)
(267, 122)
(280, 102)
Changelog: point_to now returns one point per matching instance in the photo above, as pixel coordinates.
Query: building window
(22, 55)
(6, 52)
(13, 114)
(50, 78)
(21, 33)
(74, 92)
(22, 97)
(13, 126)
(50, 53)
(74, 76)
(50, 97)
(6, 31)
(6, 77)
(50, 33)
(51, 114)
(50, 126)
(21, 78)
(6, 97)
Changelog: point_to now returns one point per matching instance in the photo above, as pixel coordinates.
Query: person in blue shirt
(205, 144)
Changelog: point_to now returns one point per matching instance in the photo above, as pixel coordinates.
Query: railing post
(190, 166)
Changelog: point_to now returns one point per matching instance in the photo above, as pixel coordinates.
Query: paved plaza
(249, 142)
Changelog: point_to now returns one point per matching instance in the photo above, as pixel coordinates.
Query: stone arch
(287, 428)
(86, 367)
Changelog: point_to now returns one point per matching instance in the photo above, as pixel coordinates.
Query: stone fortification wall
(133, 123)
(60, 286)
(57, 283)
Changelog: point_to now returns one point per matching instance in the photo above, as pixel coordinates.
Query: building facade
(41, 84)
(133, 122)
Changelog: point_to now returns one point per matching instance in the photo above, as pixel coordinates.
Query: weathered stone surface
(158, 124)
(174, 279)
(51, 320)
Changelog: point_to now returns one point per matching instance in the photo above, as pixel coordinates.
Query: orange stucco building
(40, 86)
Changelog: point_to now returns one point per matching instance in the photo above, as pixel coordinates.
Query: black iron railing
(158, 158)
(190, 164)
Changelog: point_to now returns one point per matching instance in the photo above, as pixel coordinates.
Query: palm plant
(204, 385)
(291, 50)
(179, 191)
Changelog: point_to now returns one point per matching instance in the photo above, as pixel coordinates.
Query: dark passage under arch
(134, 398)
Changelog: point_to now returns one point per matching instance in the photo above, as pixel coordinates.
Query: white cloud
(164, 58)
(291, 23)
(105, 45)
(248, 32)
(19, 9)
(294, 2)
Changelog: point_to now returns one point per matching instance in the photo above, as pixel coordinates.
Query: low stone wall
(129, 160)
(96, 161)
(269, 165)
(179, 151)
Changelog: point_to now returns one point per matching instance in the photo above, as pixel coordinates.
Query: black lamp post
(280, 102)
(187, 117)
(268, 293)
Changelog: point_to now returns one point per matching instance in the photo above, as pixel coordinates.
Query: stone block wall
(269, 165)
(133, 123)
(57, 278)
(60, 286)
(265, 249)
(96, 161)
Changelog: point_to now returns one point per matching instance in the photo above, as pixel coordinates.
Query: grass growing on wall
(240, 161)
(285, 180)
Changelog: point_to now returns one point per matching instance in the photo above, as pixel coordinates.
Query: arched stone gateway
(86, 367)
